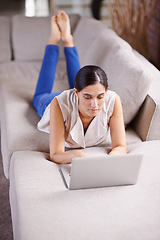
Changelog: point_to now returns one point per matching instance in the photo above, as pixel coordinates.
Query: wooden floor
(5, 212)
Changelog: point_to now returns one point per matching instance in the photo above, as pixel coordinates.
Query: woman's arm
(117, 129)
(57, 137)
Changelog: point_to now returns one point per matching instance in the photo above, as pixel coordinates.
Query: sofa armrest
(43, 208)
(147, 122)
(143, 119)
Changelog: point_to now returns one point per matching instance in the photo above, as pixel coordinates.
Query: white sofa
(41, 206)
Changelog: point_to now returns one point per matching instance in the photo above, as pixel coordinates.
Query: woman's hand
(118, 150)
(66, 157)
(79, 153)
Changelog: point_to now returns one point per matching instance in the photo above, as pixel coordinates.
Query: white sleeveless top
(97, 132)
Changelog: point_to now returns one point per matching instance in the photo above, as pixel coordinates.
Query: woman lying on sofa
(83, 116)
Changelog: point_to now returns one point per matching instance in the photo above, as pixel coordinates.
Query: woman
(82, 116)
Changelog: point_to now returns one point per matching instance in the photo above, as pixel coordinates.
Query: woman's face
(91, 100)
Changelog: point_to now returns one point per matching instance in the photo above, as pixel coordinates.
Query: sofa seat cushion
(19, 71)
(43, 208)
(19, 120)
(28, 71)
(5, 45)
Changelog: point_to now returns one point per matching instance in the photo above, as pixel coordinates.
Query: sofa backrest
(5, 46)
(30, 35)
(96, 45)
(127, 75)
(86, 32)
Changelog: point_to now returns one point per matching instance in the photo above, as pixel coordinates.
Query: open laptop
(102, 171)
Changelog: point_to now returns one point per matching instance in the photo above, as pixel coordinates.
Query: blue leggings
(43, 93)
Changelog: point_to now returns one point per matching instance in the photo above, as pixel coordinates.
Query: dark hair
(89, 75)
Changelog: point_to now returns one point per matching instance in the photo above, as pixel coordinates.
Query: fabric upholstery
(154, 97)
(16, 110)
(28, 71)
(87, 26)
(154, 132)
(48, 210)
(5, 44)
(143, 120)
(27, 31)
(85, 34)
(18, 123)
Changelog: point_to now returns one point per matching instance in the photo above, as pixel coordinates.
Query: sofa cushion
(25, 72)
(85, 33)
(45, 209)
(19, 71)
(127, 75)
(19, 120)
(30, 36)
(5, 44)
(153, 104)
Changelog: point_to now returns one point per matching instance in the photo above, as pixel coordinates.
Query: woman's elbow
(59, 158)
(54, 159)
(124, 149)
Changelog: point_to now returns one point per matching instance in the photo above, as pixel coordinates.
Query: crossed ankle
(53, 41)
(69, 42)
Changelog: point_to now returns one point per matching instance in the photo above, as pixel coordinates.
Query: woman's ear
(76, 92)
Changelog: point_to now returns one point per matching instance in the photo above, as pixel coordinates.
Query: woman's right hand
(78, 153)
(66, 157)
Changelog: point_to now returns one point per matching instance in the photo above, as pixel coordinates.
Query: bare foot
(55, 36)
(64, 26)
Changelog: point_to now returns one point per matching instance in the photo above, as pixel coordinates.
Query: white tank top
(97, 132)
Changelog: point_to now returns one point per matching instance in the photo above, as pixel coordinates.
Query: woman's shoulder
(67, 101)
(111, 93)
(110, 96)
(109, 102)
(66, 96)
(65, 93)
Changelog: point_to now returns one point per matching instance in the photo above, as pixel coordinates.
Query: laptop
(101, 171)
